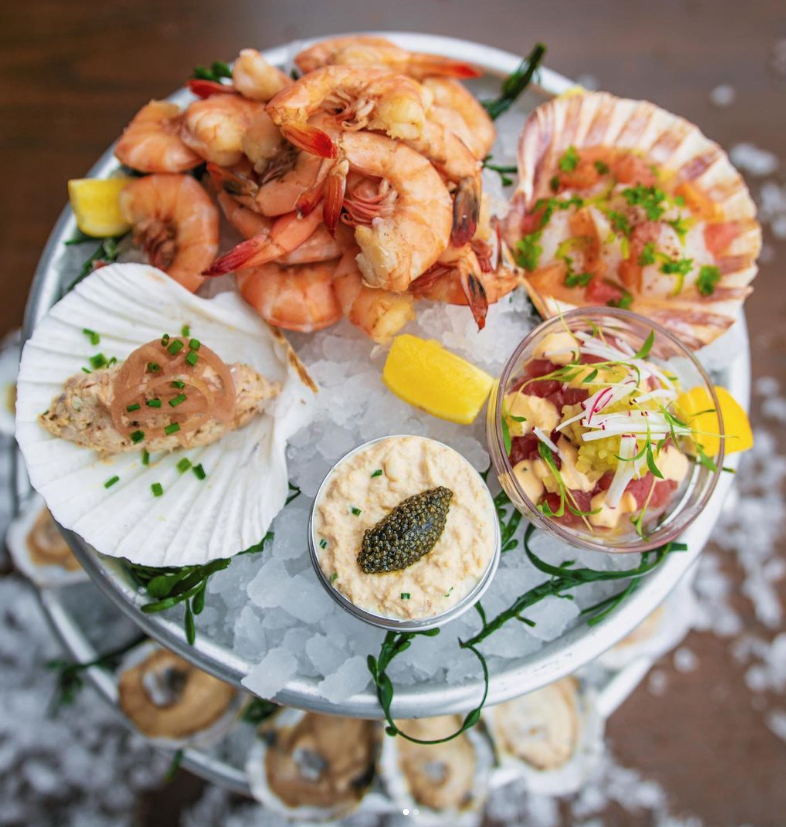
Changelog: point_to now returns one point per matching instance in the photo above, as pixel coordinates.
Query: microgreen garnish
(294, 493)
(92, 336)
(680, 226)
(590, 377)
(515, 83)
(648, 198)
(68, 682)
(183, 465)
(377, 473)
(644, 351)
(506, 439)
(169, 586)
(577, 279)
(647, 255)
(173, 428)
(111, 481)
(707, 280)
(157, 489)
(97, 361)
(106, 253)
(136, 436)
(86, 370)
(623, 302)
(619, 221)
(218, 70)
(504, 171)
(569, 160)
(199, 471)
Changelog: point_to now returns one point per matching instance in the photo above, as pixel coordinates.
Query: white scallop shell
(202, 739)
(9, 368)
(45, 577)
(678, 147)
(396, 785)
(195, 521)
(661, 632)
(371, 802)
(568, 777)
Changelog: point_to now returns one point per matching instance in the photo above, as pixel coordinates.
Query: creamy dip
(369, 484)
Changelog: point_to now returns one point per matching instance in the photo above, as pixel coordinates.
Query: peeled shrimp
(214, 127)
(364, 50)
(285, 234)
(456, 108)
(295, 298)
(401, 245)
(459, 277)
(380, 314)
(357, 98)
(152, 142)
(175, 223)
(255, 78)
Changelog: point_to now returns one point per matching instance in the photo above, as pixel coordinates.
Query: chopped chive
(165, 339)
(152, 367)
(405, 595)
(111, 361)
(172, 429)
(97, 361)
(111, 481)
(134, 407)
(157, 489)
(85, 370)
(137, 436)
(194, 344)
(355, 511)
(178, 384)
(323, 543)
(92, 336)
(175, 347)
(377, 473)
(145, 457)
(334, 576)
(199, 471)
(447, 594)
(192, 358)
(185, 330)
(178, 400)
(153, 403)
(183, 465)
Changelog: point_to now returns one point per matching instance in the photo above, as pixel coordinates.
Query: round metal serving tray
(556, 659)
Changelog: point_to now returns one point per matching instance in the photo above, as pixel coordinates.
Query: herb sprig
(217, 71)
(107, 252)
(503, 170)
(515, 83)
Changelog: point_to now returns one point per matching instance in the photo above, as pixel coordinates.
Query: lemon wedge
(697, 405)
(96, 205)
(427, 376)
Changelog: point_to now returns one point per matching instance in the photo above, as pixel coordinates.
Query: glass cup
(667, 350)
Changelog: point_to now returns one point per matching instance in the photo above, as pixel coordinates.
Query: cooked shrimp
(321, 246)
(152, 142)
(286, 233)
(456, 108)
(175, 223)
(356, 98)
(459, 277)
(214, 127)
(380, 314)
(247, 222)
(403, 243)
(255, 78)
(364, 50)
(262, 141)
(295, 298)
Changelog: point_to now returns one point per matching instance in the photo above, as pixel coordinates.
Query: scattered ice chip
(723, 95)
(751, 158)
(349, 679)
(685, 660)
(272, 673)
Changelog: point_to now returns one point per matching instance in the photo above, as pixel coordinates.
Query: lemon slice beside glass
(96, 205)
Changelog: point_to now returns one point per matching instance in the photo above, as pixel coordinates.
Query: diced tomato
(631, 169)
(600, 291)
(583, 177)
(719, 236)
(530, 223)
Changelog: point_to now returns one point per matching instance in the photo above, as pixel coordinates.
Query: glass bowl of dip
(593, 394)
(365, 486)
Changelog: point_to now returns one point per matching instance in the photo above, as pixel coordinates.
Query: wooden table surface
(74, 72)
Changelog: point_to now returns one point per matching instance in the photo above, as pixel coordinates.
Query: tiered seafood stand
(75, 611)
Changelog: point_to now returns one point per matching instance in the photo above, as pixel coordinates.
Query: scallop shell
(395, 783)
(544, 710)
(256, 775)
(677, 146)
(16, 540)
(658, 634)
(9, 367)
(195, 521)
(206, 737)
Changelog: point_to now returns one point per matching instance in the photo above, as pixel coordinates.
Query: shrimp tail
(309, 199)
(249, 253)
(335, 189)
(310, 139)
(475, 293)
(206, 88)
(231, 181)
(466, 211)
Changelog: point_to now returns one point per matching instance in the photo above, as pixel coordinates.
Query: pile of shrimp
(356, 187)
